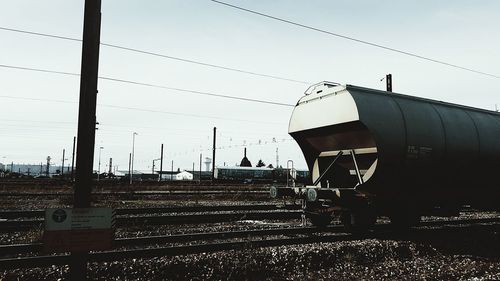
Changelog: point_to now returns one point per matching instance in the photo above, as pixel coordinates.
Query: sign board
(78, 230)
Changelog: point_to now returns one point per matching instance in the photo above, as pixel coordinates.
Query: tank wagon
(375, 153)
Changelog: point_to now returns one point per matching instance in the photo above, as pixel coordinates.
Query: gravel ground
(353, 260)
(473, 254)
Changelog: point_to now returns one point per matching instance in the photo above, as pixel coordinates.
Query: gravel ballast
(352, 260)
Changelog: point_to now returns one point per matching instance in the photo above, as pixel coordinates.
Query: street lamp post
(99, 166)
(132, 165)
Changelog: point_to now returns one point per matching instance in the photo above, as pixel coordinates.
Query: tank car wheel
(358, 221)
(320, 220)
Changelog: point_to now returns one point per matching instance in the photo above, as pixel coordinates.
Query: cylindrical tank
(409, 148)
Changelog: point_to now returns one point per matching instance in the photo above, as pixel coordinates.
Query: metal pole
(213, 154)
(86, 122)
(73, 161)
(133, 149)
(201, 155)
(172, 171)
(47, 168)
(99, 169)
(388, 82)
(129, 166)
(62, 167)
(277, 159)
(161, 162)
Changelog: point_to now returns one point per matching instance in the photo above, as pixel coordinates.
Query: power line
(69, 124)
(195, 92)
(151, 85)
(356, 40)
(159, 55)
(138, 109)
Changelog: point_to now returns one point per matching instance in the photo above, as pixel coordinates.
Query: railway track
(170, 219)
(329, 234)
(139, 193)
(181, 238)
(16, 214)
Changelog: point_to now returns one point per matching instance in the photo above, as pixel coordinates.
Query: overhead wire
(159, 55)
(69, 124)
(356, 40)
(139, 109)
(151, 85)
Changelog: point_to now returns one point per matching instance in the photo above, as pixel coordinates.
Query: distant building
(245, 162)
(184, 176)
(177, 176)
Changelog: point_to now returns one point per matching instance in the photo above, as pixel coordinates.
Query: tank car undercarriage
(324, 202)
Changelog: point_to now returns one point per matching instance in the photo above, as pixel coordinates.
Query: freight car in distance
(375, 153)
(258, 174)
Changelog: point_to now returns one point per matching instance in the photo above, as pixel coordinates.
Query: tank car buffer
(374, 153)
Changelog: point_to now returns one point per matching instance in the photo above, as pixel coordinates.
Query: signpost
(78, 230)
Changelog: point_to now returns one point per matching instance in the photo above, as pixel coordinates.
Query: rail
(381, 231)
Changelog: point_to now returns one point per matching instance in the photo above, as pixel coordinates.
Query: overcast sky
(461, 32)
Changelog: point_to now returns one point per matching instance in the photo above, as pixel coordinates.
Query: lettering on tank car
(425, 152)
(418, 152)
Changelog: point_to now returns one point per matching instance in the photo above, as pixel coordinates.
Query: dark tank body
(400, 153)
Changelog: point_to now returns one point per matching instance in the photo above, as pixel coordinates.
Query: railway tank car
(375, 153)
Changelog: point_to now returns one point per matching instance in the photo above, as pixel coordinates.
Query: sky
(39, 111)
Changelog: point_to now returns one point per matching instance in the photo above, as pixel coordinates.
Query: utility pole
(99, 165)
(73, 161)
(161, 162)
(277, 158)
(47, 171)
(201, 155)
(129, 166)
(62, 167)
(110, 167)
(133, 149)
(172, 171)
(213, 155)
(388, 82)
(86, 123)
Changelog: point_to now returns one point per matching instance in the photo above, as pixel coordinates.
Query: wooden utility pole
(86, 122)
